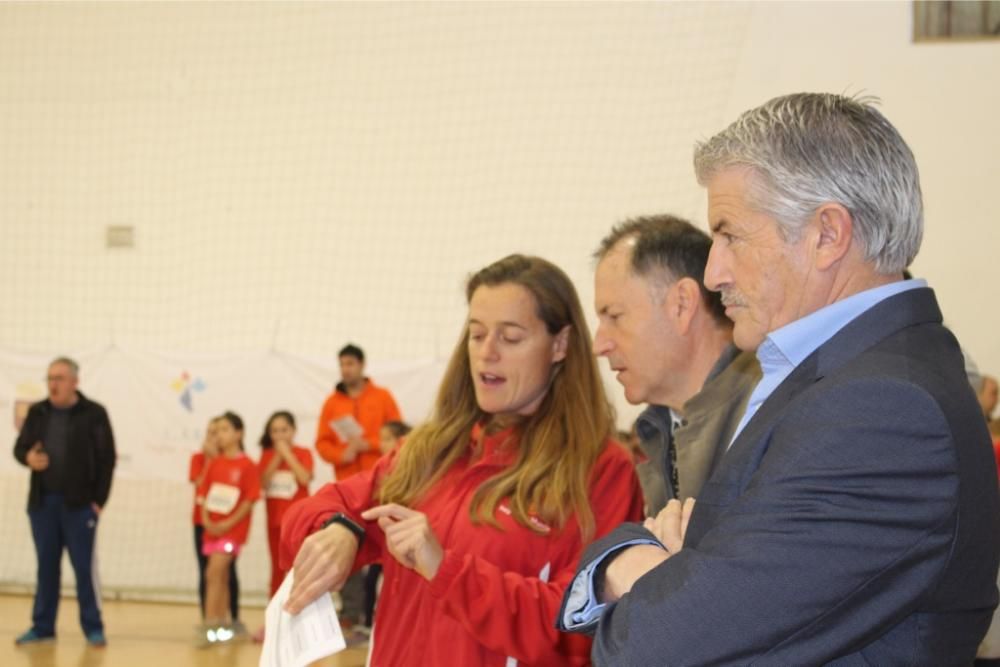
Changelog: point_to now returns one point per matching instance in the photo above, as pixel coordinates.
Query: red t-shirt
(235, 480)
(279, 493)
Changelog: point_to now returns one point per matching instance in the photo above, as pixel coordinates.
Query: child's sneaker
(213, 634)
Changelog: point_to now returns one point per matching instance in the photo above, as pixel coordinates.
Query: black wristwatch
(348, 523)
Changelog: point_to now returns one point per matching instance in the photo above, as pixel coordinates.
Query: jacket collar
(496, 448)
(76, 407)
(652, 422)
(656, 419)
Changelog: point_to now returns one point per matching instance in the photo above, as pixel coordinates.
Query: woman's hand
(408, 537)
(322, 565)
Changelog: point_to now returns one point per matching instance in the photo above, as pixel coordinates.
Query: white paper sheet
(296, 641)
(347, 427)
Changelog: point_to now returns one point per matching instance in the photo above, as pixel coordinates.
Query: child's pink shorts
(220, 546)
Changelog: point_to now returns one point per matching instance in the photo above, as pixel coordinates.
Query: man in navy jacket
(854, 518)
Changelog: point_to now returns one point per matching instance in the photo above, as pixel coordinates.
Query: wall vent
(120, 236)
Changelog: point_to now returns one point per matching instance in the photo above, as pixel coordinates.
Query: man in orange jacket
(369, 405)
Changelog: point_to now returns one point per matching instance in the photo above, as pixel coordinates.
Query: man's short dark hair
(352, 350)
(670, 245)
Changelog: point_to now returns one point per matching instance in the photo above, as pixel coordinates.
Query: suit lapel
(916, 306)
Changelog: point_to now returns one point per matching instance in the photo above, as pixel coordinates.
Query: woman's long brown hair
(558, 444)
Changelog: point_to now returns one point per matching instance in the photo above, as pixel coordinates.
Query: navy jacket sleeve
(581, 605)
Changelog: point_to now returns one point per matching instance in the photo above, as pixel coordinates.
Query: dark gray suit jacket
(854, 521)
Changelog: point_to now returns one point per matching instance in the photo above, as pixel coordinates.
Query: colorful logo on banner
(186, 386)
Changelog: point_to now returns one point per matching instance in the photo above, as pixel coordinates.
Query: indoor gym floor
(140, 634)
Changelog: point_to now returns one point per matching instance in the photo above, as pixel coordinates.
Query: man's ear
(686, 298)
(835, 233)
(560, 345)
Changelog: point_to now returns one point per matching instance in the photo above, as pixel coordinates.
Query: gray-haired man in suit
(854, 519)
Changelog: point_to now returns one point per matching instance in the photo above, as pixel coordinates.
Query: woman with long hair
(479, 518)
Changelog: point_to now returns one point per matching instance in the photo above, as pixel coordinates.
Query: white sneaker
(213, 634)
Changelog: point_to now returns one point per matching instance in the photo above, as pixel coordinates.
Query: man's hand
(36, 458)
(354, 446)
(670, 525)
(627, 566)
(96, 508)
(358, 443)
(322, 565)
(408, 537)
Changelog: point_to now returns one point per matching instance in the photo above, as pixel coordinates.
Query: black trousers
(371, 592)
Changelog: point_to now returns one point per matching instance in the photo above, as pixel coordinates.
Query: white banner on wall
(160, 403)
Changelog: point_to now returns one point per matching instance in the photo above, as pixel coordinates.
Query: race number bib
(282, 485)
(222, 498)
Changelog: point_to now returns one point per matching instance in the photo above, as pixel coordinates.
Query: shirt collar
(792, 343)
(676, 421)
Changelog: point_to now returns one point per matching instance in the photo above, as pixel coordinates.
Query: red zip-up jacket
(496, 594)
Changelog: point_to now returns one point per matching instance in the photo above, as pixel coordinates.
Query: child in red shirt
(285, 473)
(196, 475)
(230, 487)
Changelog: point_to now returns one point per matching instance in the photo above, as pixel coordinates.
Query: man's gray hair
(809, 149)
(74, 368)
